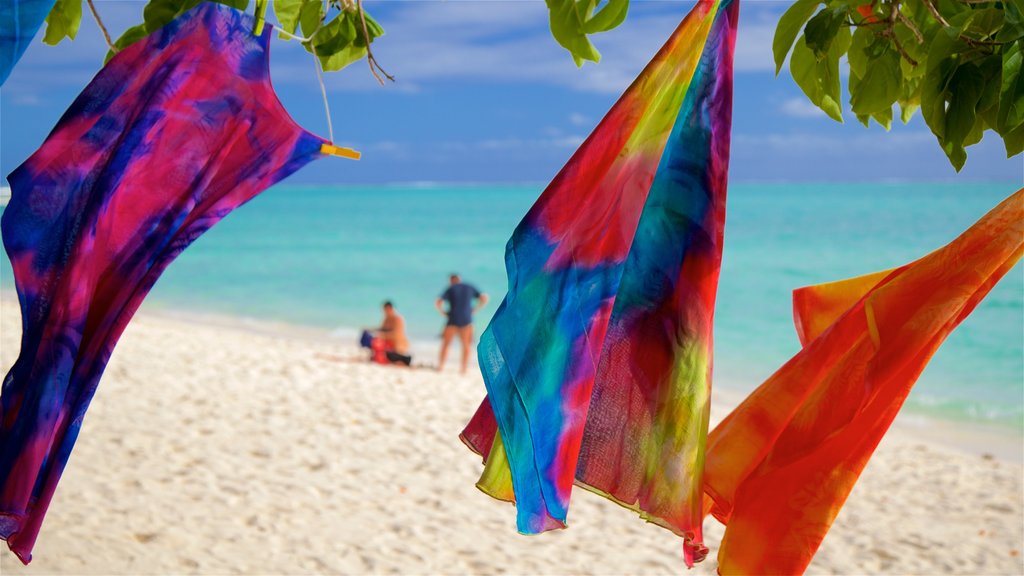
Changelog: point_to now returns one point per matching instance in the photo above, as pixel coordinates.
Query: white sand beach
(213, 450)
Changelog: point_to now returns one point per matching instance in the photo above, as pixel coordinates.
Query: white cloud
(74, 63)
(27, 99)
(571, 141)
(427, 42)
(800, 108)
(491, 144)
(754, 48)
(488, 146)
(577, 119)
(509, 41)
(806, 142)
(496, 41)
(389, 146)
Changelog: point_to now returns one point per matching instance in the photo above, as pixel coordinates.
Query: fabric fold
(612, 279)
(782, 464)
(171, 135)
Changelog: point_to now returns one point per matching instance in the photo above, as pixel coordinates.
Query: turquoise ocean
(327, 257)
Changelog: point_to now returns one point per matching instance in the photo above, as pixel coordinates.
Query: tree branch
(374, 65)
(910, 25)
(903, 52)
(975, 42)
(935, 12)
(853, 24)
(99, 22)
(890, 31)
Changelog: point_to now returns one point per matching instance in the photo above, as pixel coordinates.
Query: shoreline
(280, 460)
(973, 437)
(978, 438)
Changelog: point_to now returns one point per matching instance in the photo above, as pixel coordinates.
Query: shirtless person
(392, 332)
(460, 316)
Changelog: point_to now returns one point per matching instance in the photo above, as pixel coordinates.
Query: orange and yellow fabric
(781, 465)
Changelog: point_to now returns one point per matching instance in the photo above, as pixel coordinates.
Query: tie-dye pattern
(169, 137)
(780, 466)
(19, 22)
(598, 362)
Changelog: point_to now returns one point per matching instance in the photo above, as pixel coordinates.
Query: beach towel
(175, 132)
(19, 22)
(780, 466)
(598, 362)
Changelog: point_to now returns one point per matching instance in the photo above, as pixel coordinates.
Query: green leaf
(567, 29)
(610, 16)
(287, 13)
(841, 43)
(883, 117)
(907, 110)
(942, 63)
(159, 13)
(961, 115)
(820, 79)
(916, 51)
(335, 43)
(880, 86)
(1014, 11)
(976, 132)
(63, 21)
(990, 116)
(984, 23)
(341, 41)
(1013, 22)
(853, 86)
(992, 71)
(311, 15)
(822, 29)
(858, 55)
(1011, 93)
(1014, 141)
(956, 13)
(375, 30)
(910, 98)
(129, 37)
(789, 27)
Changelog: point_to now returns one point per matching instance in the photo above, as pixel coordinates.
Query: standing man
(460, 312)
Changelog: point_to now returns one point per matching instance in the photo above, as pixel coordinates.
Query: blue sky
(485, 94)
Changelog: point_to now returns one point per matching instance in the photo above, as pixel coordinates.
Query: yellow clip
(332, 150)
(261, 12)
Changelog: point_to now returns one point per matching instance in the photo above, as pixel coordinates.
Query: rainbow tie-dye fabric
(169, 137)
(19, 22)
(780, 466)
(598, 362)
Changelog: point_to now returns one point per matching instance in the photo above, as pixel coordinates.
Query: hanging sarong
(175, 132)
(780, 466)
(598, 362)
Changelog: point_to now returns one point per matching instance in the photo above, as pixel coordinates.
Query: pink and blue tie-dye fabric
(169, 137)
(598, 362)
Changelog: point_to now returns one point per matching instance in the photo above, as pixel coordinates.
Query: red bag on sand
(379, 348)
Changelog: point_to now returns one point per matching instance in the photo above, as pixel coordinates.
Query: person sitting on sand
(460, 312)
(388, 343)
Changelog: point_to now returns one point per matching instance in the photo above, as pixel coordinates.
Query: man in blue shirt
(460, 312)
